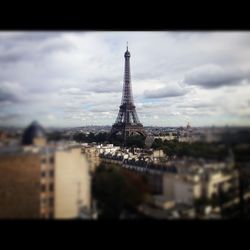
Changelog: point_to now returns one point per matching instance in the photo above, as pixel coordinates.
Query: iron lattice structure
(127, 121)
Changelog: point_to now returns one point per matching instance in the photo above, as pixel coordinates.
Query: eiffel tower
(127, 122)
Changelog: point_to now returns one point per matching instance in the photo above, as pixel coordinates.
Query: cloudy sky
(75, 78)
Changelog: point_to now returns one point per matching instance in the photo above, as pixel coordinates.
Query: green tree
(117, 191)
(136, 141)
(196, 149)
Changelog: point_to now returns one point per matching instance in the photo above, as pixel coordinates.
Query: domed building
(34, 134)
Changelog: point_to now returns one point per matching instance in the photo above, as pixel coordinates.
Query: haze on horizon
(75, 79)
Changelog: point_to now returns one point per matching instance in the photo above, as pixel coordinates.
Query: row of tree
(91, 137)
(197, 149)
(103, 137)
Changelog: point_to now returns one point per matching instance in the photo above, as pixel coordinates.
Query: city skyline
(75, 78)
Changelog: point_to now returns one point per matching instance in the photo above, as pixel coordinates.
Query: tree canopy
(117, 191)
(196, 149)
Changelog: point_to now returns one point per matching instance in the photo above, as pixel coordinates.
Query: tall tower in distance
(127, 122)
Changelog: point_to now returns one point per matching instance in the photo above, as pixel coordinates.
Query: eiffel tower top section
(127, 96)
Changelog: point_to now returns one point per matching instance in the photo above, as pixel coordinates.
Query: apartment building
(41, 180)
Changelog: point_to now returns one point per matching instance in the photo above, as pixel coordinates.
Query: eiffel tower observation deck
(127, 122)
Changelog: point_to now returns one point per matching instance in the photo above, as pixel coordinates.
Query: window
(51, 187)
(43, 174)
(43, 216)
(51, 215)
(43, 188)
(44, 202)
(51, 201)
(43, 160)
(51, 173)
(51, 160)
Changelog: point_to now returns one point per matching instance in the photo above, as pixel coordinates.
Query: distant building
(210, 183)
(169, 137)
(93, 152)
(187, 189)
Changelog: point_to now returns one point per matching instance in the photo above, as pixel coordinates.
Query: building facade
(44, 182)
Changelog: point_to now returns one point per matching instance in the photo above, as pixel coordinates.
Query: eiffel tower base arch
(127, 130)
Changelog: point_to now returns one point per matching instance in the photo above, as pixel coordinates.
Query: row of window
(50, 160)
(49, 201)
(50, 173)
(50, 188)
(48, 216)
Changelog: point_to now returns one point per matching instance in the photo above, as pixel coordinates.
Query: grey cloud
(10, 58)
(30, 46)
(213, 76)
(19, 56)
(109, 88)
(166, 92)
(177, 36)
(197, 105)
(7, 97)
(105, 108)
(105, 85)
(18, 37)
(56, 45)
(10, 92)
(14, 119)
(70, 91)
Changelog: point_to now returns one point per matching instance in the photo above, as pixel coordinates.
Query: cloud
(10, 58)
(213, 76)
(10, 91)
(172, 90)
(106, 87)
(70, 91)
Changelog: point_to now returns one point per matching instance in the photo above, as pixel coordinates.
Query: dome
(34, 130)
